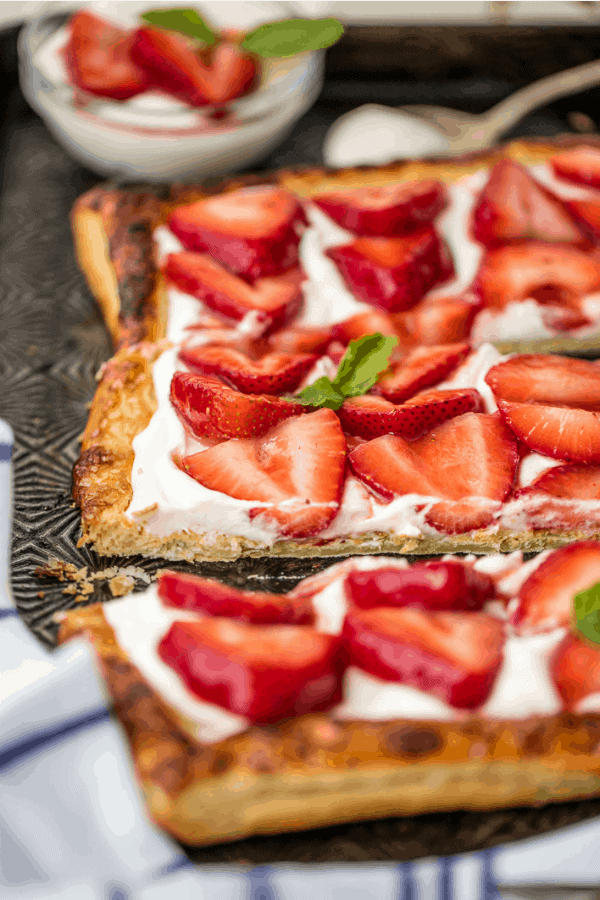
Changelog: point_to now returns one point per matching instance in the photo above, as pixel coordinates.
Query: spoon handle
(506, 113)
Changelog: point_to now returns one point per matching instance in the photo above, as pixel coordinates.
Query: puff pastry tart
(372, 689)
(497, 246)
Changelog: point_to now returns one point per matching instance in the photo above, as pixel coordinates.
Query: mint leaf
(321, 393)
(186, 21)
(293, 36)
(363, 363)
(361, 366)
(587, 613)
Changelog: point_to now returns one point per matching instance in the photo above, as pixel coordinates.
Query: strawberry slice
(254, 231)
(232, 73)
(575, 668)
(393, 273)
(551, 497)
(279, 298)
(445, 320)
(421, 368)
(172, 64)
(555, 431)
(587, 215)
(302, 339)
(569, 482)
(210, 409)
(581, 165)
(99, 59)
(370, 417)
(455, 656)
(296, 469)
(471, 456)
(441, 585)
(263, 672)
(254, 607)
(388, 211)
(537, 378)
(546, 598)
(274, 373)
(514, 207)
(362, 324)
(550, 274)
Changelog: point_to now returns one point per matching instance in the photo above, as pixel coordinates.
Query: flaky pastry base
(314, 771)
(122, 408)
(113, 226)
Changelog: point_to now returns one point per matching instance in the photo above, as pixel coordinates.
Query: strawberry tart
(372, 689)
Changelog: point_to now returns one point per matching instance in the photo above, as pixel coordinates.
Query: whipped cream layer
(523, 686)
(328, 301)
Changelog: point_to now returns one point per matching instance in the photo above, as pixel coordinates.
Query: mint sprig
(185, 21)
(292, 36)
(587, 613)
(360, 368)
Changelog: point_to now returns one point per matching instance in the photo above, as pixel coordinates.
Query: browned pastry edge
(313, 771)
(123, 406)
(112, 230)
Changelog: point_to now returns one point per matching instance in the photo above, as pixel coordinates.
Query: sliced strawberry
(575, 668)
(279, 298)
(393, 273)
(471, 456)
(546, 598)
(421, 368)
(254, 607)
(263, 672)
(296, 470)
(210, 409)
(172, 64)
(445, 320)
(555, 431)
(514, 207)
(274, 373)
(569, 482)
(461, 516)
(301, 339)
(99, 60)
(455, 656)
(550, 274)
(254, 231)
(388, 211)
(587, 215)
(370, 417)
(581, 165)
(537, 378)
(442, 585)
(232, 73)
(362, 324)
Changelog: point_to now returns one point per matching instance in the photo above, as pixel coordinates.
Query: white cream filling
(523, 686)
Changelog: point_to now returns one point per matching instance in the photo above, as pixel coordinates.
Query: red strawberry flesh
(581, 165)
(387, 211)
(421, 368)
(205, 595)
(445, 320)
(274, 373)
(254, 231)
(302, 339)
(455, 656)
(575, 668)
(213, 410)
(546, 598)
(436, 585)
(296, 470)
(263, 672)
(514, 207)
(555, 431)
(172, 64)
(370, 417)
(555, 380)
(232, 73)
(393, 273)
(278, 298)
(99, 59)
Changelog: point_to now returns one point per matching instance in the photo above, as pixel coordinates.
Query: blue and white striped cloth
(73, 825)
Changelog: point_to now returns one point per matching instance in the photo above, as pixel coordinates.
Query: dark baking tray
(52, 342)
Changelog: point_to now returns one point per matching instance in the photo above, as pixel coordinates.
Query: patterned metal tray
(52, 342)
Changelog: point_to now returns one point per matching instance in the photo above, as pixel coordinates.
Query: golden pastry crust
(313, 771)
(112, 231)
(122, 408)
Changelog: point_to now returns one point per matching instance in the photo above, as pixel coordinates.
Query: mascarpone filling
(523, 686)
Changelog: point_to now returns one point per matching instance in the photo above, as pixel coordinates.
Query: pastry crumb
(120, 580)
(121, 585)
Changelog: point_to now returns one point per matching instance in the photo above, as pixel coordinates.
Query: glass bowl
(154, 137)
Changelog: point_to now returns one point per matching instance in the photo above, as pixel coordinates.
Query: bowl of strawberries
(143, 90)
